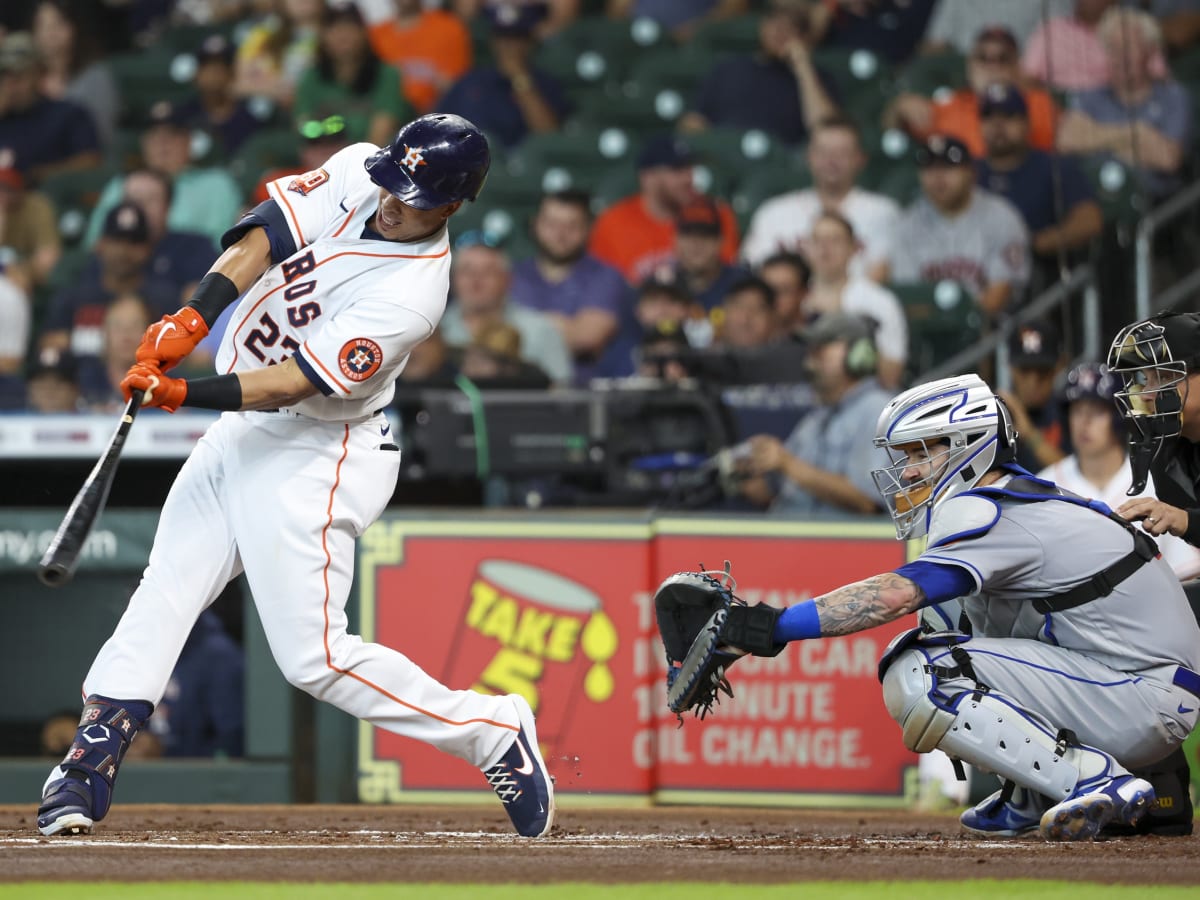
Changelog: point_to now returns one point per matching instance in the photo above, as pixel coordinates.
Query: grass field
(880, 890)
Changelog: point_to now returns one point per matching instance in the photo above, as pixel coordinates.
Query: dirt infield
(474, 844)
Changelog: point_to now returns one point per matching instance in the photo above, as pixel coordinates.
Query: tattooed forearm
(867, 603)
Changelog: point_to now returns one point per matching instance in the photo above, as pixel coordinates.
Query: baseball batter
(341, 273)
(1082, 653)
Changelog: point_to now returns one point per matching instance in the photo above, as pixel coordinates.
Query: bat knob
(54, 575)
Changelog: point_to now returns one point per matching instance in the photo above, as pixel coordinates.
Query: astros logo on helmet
(413, 158)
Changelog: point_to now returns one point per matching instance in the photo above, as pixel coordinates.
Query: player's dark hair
(788, 258)
(571, 197)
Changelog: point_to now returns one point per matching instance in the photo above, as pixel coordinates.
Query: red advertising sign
(809, 721)
(561, 612)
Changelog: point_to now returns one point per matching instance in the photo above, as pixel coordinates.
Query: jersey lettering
(294, 268)
(267, 338)
(301, 315)
(308, 182)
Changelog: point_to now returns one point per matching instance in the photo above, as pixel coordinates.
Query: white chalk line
(378, 840)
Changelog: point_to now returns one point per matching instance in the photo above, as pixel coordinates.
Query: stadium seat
(271, 148)
(188, 38)
(942, 320)
(738, 34)
(680, 69)
(862, 79)
(761, 184)
(1116, 189)
(576, 147)
(145, 77)
(732, 154)
(927, 75)
(596, 48)
(632, 107)
(616, 184)
(74, 195)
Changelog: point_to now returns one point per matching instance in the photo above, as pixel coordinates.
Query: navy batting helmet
(434, 160)
(1093, 381)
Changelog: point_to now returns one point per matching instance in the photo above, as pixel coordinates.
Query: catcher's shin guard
(79, 790)
(988, 731)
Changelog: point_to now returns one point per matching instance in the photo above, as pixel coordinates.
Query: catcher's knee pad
(105, 731)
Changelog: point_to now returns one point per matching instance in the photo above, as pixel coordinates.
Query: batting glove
(168, 341)
(159, 390)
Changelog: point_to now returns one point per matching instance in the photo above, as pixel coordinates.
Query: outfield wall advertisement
(561, 612)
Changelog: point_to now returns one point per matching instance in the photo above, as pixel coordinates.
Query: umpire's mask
(1155, 386)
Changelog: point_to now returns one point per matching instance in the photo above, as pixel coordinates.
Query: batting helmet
(965, 430)
(434, 160)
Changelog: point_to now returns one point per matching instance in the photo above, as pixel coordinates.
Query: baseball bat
(58, 563)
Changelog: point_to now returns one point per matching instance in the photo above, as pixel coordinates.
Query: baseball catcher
(1080, 660)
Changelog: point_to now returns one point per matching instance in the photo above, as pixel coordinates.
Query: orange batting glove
(161, 391)
(168, 341)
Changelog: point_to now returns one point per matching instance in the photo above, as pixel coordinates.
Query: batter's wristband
(214, 292)
(215, 392)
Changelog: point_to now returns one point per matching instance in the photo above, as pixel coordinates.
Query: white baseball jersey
(347, 308)
(984, 244)
(786, 222)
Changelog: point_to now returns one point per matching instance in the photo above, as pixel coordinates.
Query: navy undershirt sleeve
(268, 216)
(938, 582)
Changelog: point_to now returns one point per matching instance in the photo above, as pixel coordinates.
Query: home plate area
(474, 844)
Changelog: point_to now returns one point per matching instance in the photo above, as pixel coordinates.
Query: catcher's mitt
(705, 629)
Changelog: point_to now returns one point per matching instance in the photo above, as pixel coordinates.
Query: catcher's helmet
(964, 429)
(434, 160)
(1152, 358)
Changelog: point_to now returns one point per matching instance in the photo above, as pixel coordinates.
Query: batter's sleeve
(313, 201)
(362, 347)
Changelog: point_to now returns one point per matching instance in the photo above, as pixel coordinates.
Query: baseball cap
(1181, 331)
(127, 222)
(1035, 346)
(1090, 381)
(163, 112)
(53, 362)
(1005, 99)
(514, 18)
(17, 52)
(665, 150)
(215, 48)
(838, 326)
(942, 150)
(997, 34)
(701, 216)
(665, 280)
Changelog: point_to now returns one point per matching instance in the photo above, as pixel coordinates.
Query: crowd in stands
(669, 177)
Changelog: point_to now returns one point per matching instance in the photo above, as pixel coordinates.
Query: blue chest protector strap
(1033, 490)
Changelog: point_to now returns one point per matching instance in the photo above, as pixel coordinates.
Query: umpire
(1158, 361)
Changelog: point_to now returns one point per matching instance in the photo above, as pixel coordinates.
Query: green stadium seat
(863, 80)
(890, 165)
(672, 68)
(188, 38)
(731, 154)
(927, 75)
(577, 147)
(616, 184)
(629, 106)
(762, 184)
(942, 320)
(737, 34)
(271, 148)
(596, 48)
(145, 77)
(74, 195)
(1116, 189)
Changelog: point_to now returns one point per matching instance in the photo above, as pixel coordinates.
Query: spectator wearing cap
(274, 53)
(1035, 357)
(480, 279)
(833, 288)
(835, 159)
(1050, 192)
(205, 200)
(1142, 117)
(430, 47)
(662, 306)
(318, 140)
(956, 23)
(70, 47)
(777, 89)
(891, 29)
(46, 136)
(52, 384)
(961, 232)
(824, 466)
(995, 59)
(789, 276)
(584, 298)
(510, 97)
(698, 254)
(215, 108)
(75, 317)
(1065, 53)
(1099, 466)
(29, 244)
(349, 80)
(680, 17)
(636, 235)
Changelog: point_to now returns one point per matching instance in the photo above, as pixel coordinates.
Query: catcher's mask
(941, 438)
(1155, 386)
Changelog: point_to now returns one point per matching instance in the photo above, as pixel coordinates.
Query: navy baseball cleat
(521, 781)
(1122, 800)
(994, 817)
(66, 806)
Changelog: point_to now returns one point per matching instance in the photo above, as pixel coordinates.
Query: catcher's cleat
(521, 781)
(66, 806)
(1170, 815)
(996, 818)
(1123, 800)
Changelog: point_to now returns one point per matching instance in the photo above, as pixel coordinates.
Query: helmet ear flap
(1006, 433)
